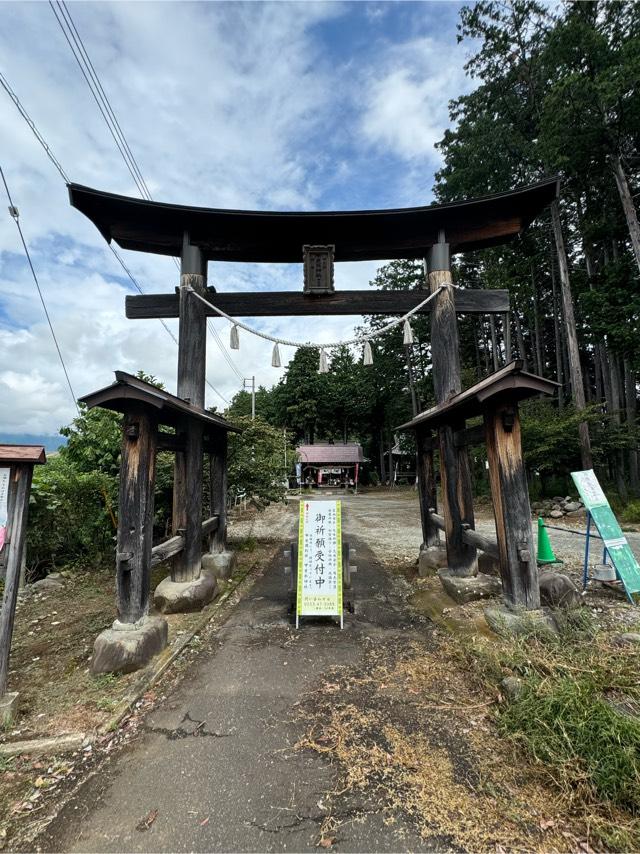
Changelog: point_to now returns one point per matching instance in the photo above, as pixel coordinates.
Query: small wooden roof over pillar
(510, 384)
(22, 454)
(170, 410)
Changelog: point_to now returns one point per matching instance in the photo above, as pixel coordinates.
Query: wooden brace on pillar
(427, 488)
(218, 494)
(510, 496)
(135, 522)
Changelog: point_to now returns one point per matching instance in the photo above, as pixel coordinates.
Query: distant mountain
(51, 442)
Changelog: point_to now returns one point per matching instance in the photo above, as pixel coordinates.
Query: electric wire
(13, 211)
(92, 79)
(103, 95)
(95, 94)
(7, 88)
(56, 163)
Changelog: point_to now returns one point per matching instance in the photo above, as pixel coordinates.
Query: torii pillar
(455, 472)
(189, 588)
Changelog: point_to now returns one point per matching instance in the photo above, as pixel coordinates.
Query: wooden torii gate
(433, 233)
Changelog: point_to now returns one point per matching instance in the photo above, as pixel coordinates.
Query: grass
(573, 719)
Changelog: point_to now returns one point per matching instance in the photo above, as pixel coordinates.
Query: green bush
(70, 514)
(631, 512)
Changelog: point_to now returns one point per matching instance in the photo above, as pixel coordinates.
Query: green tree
(257, 459)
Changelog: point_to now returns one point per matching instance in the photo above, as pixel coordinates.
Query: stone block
(511, 687)
(220, 564)
(557, 590)
(8, 708)
(465, 589)
(571, 506)
(509, 622)
(127, 647)
(556, 514)
(48, 583)
(430, 560)
(179, 597)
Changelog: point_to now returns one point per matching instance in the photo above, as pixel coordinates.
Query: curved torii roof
(278, 236)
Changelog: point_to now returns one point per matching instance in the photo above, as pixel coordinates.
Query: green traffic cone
(545, 552)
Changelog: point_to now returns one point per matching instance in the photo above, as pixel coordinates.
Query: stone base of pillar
(465, 589)
(179, 597)
(126, 647)
(8, 708)
(510, 622)
(431, 559)
(220, 564)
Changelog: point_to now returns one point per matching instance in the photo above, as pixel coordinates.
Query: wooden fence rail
(473, 538)
(174, 545)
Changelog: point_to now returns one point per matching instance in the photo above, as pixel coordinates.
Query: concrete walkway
(217, 759)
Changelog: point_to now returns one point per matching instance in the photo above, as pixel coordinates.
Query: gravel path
(389, 522)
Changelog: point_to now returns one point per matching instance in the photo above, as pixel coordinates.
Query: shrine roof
(330, 454)
(509, 383)
(22, 454)
(172, 410)
(278, 236)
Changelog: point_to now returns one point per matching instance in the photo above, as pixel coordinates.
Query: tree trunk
(630, 406)
(575, 368)
(522, 351)
(506, 332)
(383, 474)
(476, 335)
(494, 342)
(630, 213)
(621, 485)
(536, 327)
(557, 336)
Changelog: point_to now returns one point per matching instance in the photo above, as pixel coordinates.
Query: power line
(56, 163)
(34, 129)
(95, 89)
(65, 10)
(13, 211)
(92, 79)
(103, 95)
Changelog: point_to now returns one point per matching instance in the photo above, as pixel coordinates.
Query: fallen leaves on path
(147, 821)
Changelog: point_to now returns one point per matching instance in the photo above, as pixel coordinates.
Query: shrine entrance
(318, 240)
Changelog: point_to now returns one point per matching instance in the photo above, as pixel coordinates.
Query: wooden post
(510, 496)
(427, 487)
(218, 488)
(20, 487)
(455, 472)
(192, 351)
(135, 522)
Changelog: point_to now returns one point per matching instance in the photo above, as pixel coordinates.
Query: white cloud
(406, 97)
(225, 105)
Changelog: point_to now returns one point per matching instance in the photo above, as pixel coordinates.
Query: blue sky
(244, 105)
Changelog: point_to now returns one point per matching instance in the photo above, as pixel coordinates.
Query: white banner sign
(320, 559)
(5, 476)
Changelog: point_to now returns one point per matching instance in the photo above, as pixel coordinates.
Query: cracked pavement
(216, 759)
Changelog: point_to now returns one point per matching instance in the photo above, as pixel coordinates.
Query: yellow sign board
(319, 585)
